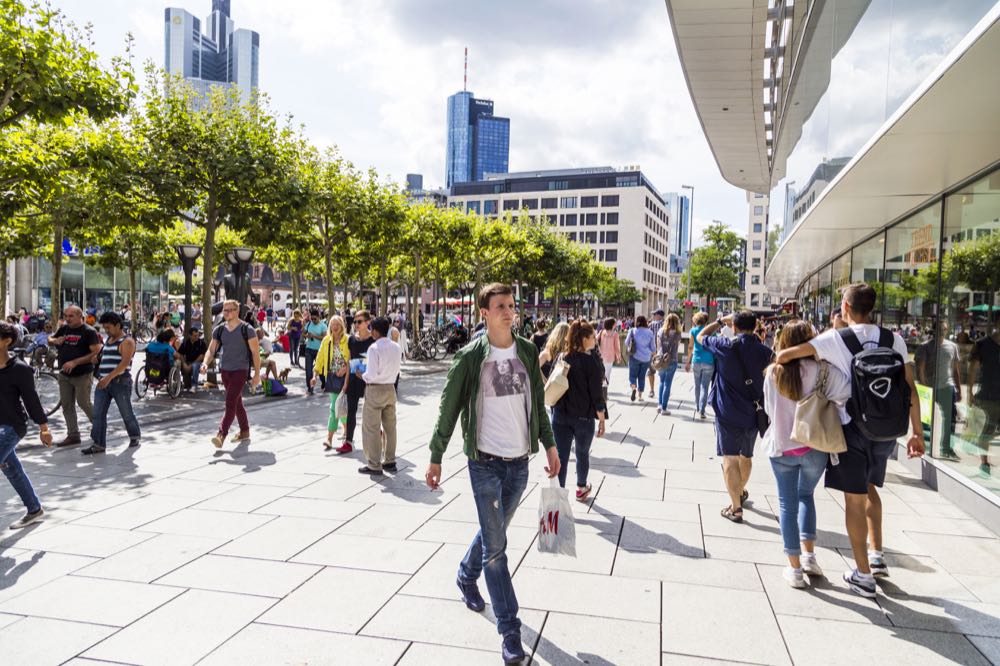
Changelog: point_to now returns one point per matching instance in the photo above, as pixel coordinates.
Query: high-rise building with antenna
(478, 141)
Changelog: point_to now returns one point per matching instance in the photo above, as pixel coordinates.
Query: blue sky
(584, 82)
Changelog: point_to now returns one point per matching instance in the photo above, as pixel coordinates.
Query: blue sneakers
(470, 595)
(513, 651)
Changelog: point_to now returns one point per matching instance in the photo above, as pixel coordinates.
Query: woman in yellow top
(333, 363)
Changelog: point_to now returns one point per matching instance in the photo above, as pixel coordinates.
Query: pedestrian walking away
(295, 326)
(358, 345)
(737, 400)
(240, 357)
(333, 365)
(114, 383)
(797, 467)
(378, 425)
(553, 347)
(861, 469)
(668, 340)
(640, 345)
(655, 326)
(313, 333)
(503, 419)
(17, 396)
(574, 414)
(701, 363)
(610, 346)
(79, 346)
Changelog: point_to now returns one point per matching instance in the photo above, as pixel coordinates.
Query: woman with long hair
(573, 416)
(702, 362)
(610, 346)
(640, 345)
(333, 363)
(553, 347)
(668, 341)
(797, 467)
(295, 325)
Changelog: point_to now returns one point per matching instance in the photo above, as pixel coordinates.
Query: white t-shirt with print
(503, 399)
(831, 347)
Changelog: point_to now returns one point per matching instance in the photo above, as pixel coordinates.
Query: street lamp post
(241, 257)
(188, 254)
(687, 287)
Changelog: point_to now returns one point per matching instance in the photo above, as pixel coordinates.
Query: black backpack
(880, 395)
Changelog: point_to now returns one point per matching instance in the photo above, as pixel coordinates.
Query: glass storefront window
(841, 271)
(967, 371)
(824, 302)
(867, 266)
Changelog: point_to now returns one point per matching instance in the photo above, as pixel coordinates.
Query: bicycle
(143, 331)
(46, 380)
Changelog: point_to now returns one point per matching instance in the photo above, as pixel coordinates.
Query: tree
(716, 265)
(977, 264)
(773, 240)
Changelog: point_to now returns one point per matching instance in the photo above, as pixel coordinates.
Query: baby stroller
(159, 374)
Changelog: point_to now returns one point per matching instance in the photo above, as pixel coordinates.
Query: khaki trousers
(378, 412)
(75, 391)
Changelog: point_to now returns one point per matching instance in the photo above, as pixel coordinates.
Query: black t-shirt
(357, 347)
(17, 388)
(987, 352)
(76, 344)
(191, 350)
(540, 339)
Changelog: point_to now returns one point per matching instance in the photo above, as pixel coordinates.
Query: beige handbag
(817, 422)
(558, 382)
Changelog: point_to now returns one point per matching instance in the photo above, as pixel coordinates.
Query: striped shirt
(111, 356)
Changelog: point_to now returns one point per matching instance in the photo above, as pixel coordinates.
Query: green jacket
(461, 394)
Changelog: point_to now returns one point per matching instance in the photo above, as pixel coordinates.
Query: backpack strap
(217, 334)
(885, 338)
(851, 340)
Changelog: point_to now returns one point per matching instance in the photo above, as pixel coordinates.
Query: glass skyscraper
(211, 52)
(478, 141)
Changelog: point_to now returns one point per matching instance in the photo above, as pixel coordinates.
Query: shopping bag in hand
(340, 408)
(556, 530)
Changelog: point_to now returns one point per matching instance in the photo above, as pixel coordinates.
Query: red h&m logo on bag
(549, 524)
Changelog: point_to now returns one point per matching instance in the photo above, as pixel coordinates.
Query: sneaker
(985, 470)
(345, 448)
(861, 584)
(876, 562)
(470, 595)
(133, 443)
(794, 577)
(513, 651)
(389, 467)
(665, 412)
(92, 450)
(633, 395)
(240, 436)
(703, 417)
(28, 519)
(219, 440)
(810, 566)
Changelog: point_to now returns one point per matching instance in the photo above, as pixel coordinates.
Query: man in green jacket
(495, 387)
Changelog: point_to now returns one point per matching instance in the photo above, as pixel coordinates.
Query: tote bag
(558, 382)
(817, 422)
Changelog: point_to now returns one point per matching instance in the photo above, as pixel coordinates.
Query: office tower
(478, 141)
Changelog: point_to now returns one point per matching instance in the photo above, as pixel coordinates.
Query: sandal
(729, 514)
(328, 446)
(744, 497)
(583, 493)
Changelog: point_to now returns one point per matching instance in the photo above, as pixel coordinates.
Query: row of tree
(86, 155)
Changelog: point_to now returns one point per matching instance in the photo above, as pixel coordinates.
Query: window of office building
(754, 300)
(611, 237)
(588, 202)
(758, 227)
(590, 236)
(530, 204)
(490, 207)
(754, 279)
(590, 218)
(609, 200)
(611, 255)
(755, 262)
(758, 210)
(559, 185)
(757, 245)
(472, 207)
(612, 218)
(551, 219)
(550, 202)
(567, 202)
(510, 204)
(571, 220)
(571, 235)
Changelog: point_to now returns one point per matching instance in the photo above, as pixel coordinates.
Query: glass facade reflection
(937, 273)
(478, 141)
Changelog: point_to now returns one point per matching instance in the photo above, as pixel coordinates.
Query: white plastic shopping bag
(556, 530)
(340, 407)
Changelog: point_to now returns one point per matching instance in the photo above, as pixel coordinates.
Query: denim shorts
(733, 440)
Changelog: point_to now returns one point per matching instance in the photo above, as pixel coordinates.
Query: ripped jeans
(497, 487)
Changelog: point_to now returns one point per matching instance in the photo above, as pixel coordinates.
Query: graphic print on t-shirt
(503, 387)
(504, 378)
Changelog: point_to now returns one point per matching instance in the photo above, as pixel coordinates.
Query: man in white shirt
(379, 414)
(861, 469)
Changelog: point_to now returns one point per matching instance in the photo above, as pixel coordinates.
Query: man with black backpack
(882, 408)
(240, 353)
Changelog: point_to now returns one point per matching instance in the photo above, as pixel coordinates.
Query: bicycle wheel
(47, 387)
(141, 383)
(175, 383)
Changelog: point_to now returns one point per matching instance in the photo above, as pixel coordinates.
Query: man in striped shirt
(114, 375)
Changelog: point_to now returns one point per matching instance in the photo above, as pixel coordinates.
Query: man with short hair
(240, 353)
(736, 395)
(861, 469)
(114, 374)
(655, 326)
(379, 414)
(500, 433)
(192, 353)
(79, 346)
(313, 333)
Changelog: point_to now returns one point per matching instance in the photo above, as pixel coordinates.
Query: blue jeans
(666, 381)
(637, 373)
(566, 429)
(293, 348)
(310, 361)
(702, 380)
(119, 390)
(497, 487)
(13, 471)
(797, 477)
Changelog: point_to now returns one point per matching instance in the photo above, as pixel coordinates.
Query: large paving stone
(369, 553)
(199, 522)
(267, 644)
(82, 599)
(241, 575)
(588, 594)
(31, 640)
(152, 558)
(25, 570)
(280, 538)
(568, 640)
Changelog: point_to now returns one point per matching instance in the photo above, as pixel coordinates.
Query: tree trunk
(555, 303)
(331, 296)
(296, 284)
(211, 219)
(3, 287)
(57, 243)
(383, 290)
(134, 306)
(415, 318)
(520, 294)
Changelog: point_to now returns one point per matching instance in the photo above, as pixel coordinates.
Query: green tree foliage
(715, 265)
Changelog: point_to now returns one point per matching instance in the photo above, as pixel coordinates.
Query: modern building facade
(885, 115)
(618, 214)
(478, 141)
(212, 52)
(679, 210)
(755, 294)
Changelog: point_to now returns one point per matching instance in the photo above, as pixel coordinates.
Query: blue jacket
(731, 398)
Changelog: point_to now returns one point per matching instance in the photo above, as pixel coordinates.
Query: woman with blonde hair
(553, 347)
(333, 363)
(797, 467)
(668, 340)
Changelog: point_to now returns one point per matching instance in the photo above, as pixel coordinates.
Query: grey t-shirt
(234, 348)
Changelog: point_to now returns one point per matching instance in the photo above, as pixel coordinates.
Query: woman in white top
(797, 468)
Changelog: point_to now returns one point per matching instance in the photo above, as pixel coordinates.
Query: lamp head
(243, 254)
(191, 252)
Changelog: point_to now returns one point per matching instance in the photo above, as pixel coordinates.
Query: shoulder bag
(763, 420)
(817, 423)
(557, 383)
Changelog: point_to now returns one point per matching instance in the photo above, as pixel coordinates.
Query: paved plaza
(280, 553)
